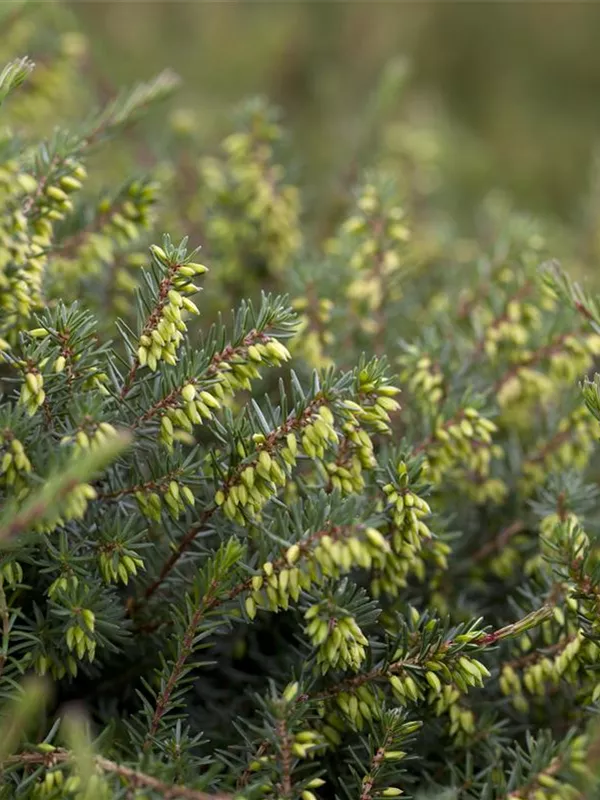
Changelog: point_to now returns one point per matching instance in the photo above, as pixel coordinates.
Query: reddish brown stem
(499, 542)
(151, 323)
(133, 777)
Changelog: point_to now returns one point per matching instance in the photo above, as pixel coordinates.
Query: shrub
(235, 560)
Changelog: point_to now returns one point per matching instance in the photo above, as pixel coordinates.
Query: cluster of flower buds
(375, 230)
(46, 208)
(482, 489)
(550, 523)
(276, 585)
(565, 532)
(96, 787)
(236, 370)
(570, 447)
(188, 407)
(306, 744)
(74, 506)
(32, 391)
(511, 329)
(462, 723)
(131, 212)
(567, 359)
(408, 511)
(257, 482)
(68, 357)
(335, 721)
(371, 241)
(408, 532)
(313, 336)
(423, 378)
(78, 636)
(90, 435)
(57, 666)
(20, 286)
(358, 707)
(511, 686)
(26, 236)
(335, 554)
(539, 677)
(65, 582)
(319, 433)
(251, 211)
(12, 178)
(405, 688)
(567, 544)
(460, 671)
(42, 664)
(118, 564)
(176, 496)
(375, 401)
(23, 293)
(523, 385)
(339, 640)
(119, 222)
(267, 469)
(14, 464)
(164, 329)
(11, 573)
(391, 575)
(446, 700)
(463, 443)
(54, 783)
(355, 455)
(54, 202)
(95, 380)
(505, 561)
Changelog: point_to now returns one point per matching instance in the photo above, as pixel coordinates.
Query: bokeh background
(523, 79)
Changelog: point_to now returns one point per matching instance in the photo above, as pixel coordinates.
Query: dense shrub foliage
(340, 542)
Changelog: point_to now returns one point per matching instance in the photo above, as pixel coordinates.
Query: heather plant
(339, 542)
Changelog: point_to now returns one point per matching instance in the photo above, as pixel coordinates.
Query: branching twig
(502, 539)
(133, 776)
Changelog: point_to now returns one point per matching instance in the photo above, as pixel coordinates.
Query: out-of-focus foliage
(522, 78)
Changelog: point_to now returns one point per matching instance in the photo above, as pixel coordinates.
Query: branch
(53, 494)
(529, 790)
(304, 547)
(152, 323)
(555, 346)
(376, 763)
(161, 483)
(227, 355)
(135, 777)
(183, 546)
(271, 440)
(6, 625)
(499, 541)
(520, 294)
(162, 702)
(286, 757)
(486, 640)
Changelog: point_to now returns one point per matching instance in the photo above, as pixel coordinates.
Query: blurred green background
(522, 78)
